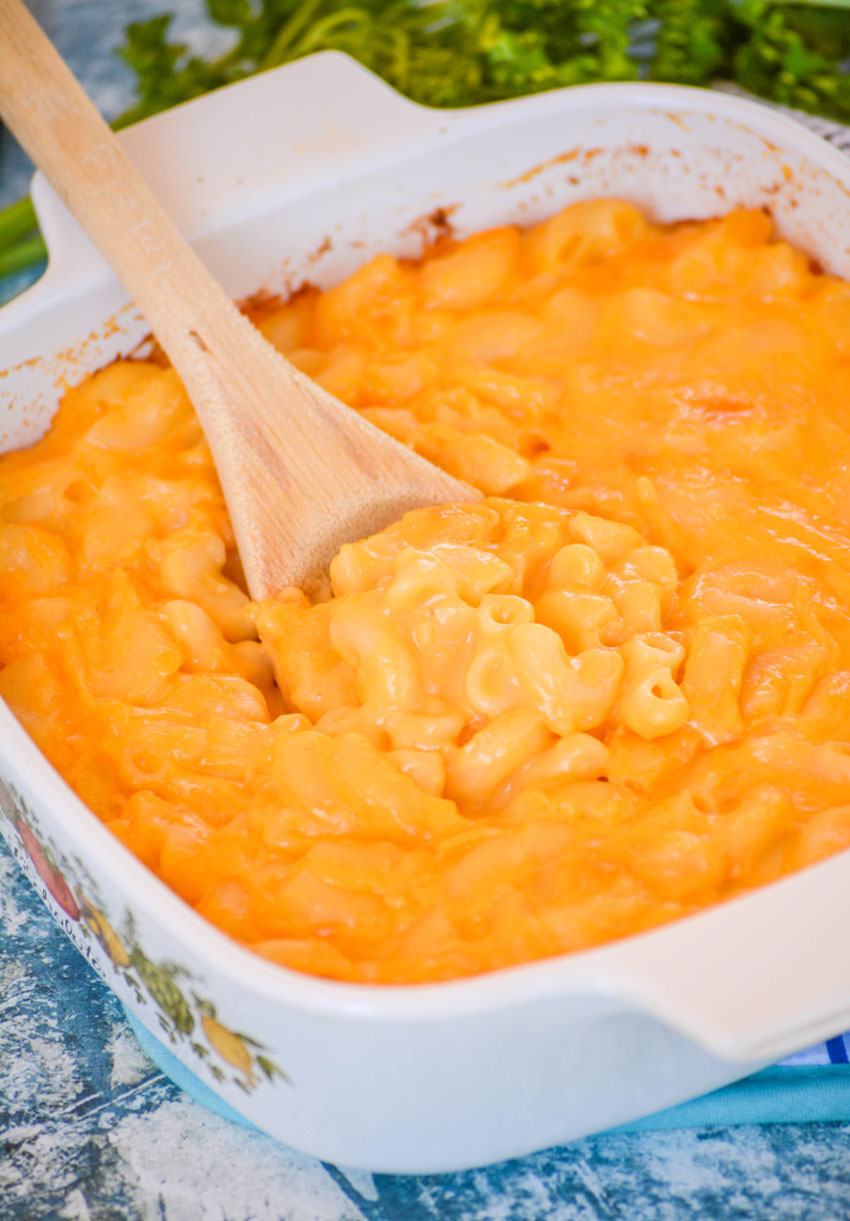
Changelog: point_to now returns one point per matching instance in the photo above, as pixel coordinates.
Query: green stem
(323, 30)
(302, 16)
(813, 3)
(23, 255)
(16, 221)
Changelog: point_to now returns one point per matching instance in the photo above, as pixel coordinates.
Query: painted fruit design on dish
(105, 934)
(51, 876)
(237, 1050)
(163, 991)
(230, 1047)
(187, 1019)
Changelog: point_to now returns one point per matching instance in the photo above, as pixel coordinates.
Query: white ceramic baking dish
(302, 174)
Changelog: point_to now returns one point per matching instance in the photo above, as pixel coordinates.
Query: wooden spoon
(301, 472)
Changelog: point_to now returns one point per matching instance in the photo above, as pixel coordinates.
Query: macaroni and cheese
(613, 693)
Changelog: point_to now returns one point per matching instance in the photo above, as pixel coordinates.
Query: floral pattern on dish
(182, 1015)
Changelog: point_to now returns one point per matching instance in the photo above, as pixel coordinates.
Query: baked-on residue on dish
(614, 693)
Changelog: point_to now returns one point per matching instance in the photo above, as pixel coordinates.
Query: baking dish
(302, 174)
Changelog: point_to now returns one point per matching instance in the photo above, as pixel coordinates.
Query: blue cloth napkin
(166, 1060)
(813, 1086)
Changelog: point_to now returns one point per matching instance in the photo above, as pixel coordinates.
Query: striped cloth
(833, 1051)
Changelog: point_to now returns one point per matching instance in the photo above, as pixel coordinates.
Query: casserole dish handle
(756, 979)
(318, 114)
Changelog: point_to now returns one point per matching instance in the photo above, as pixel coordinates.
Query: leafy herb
(689, 47)
(786, 57)
(18, 256)
(460, 52)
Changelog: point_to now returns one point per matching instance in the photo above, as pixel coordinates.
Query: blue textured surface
(90, 1130)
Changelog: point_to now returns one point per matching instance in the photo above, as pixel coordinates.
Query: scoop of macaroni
(615, 692)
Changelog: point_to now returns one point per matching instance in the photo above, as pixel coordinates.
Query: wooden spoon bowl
(301, 472)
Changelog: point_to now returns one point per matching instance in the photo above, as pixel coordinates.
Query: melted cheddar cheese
(615, 692)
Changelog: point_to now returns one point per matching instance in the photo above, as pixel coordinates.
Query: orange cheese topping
(614, 693)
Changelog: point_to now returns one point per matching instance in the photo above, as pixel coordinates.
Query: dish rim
(599, 969)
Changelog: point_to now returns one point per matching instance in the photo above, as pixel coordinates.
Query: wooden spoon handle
(301, 473)
(44, 106)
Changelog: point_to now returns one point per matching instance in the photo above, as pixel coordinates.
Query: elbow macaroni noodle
(615, 692)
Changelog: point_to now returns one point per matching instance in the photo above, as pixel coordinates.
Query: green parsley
(460, 52)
